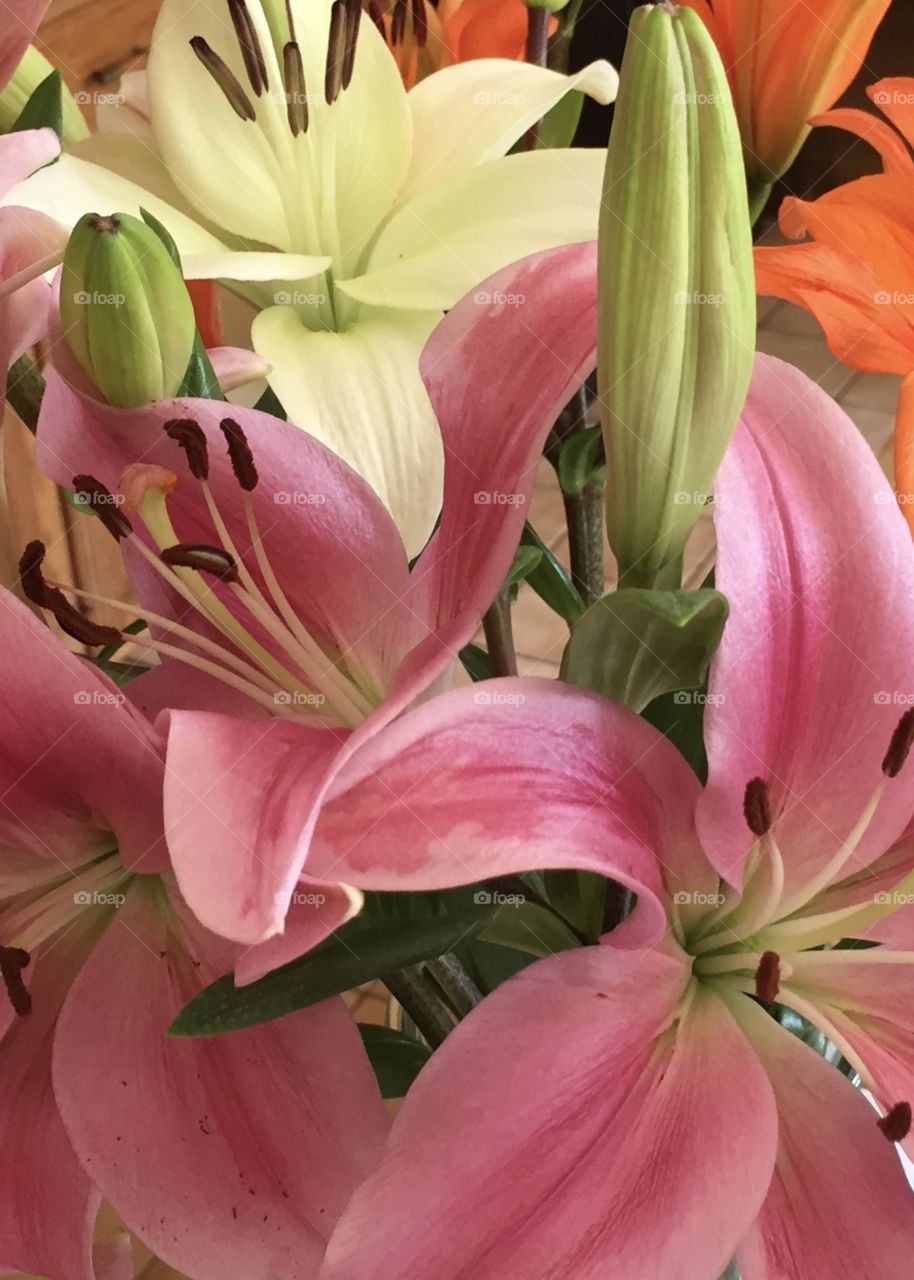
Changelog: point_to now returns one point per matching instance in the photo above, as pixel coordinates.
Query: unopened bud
(125, 310)
(676, 288)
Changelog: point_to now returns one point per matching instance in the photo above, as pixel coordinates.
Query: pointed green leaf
(44, 109)
(364, 949)
(476, 662)
(528, 927)
(550, 580)
(635, 644)
(395, 1058)
(560, 124)
(578, 897)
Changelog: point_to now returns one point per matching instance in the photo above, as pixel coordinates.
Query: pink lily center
(752, 942)
(251, 638)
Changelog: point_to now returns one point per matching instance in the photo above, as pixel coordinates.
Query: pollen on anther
(768, 977)
(93, 494)
(900, 746)
(240, 455)
(204, 559)
(757, 806)
(12, 961)
(896, 1124)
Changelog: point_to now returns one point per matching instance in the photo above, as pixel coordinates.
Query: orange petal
(896, 158)
(904, 450)
(894, 96)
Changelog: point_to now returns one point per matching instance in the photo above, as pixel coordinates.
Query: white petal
(438, 247)
(231, 264)
(360, 393)
(477, 110)
(321, 192)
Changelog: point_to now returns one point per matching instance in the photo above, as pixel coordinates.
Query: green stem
(418, 999)
(584, 516)
(536, 53)
(499, 636)
(461, 991)
(25, 391)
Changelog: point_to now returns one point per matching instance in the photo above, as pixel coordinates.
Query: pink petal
(23, 320)
(321, 525)
(22, 153)
(240, 803)
(228, 1157)
(839, 1206)
(316, 909)
(48, 1206)
(20, 22)
(236, 367)
(498, 375)
(508, 776)
(78, 760)
(554, 1135)
(818, 653)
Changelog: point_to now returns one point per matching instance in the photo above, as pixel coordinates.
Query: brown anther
(768, 977)
(296, 90)
(420, 23)
(353, 18)
(398, 22)
(900, 745)
(70, 620)
(336, 51)
(12, 961)
(377, 17)
(240, 454)
(225, 78)
(212, 560)
(92, 493)
(757, 806)
(249, 45)
(188, 435)
(896, 1124)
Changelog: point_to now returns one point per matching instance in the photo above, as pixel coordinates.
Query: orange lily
(856, 273)
(424, 38)
(786, 60)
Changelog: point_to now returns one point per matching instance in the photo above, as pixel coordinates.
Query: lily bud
(126, 313)
(676, 288)
(554, 6)
(33, 69)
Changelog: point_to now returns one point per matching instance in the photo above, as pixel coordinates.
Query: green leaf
(683, 724)
(559, 125)
(581, 461)
(44, 109)
(476, 662)
(578, 897)
(164, 235)
(269, 402)
(395, 1058)
(200, 379)
(636, 644)
(551, 581)
(526, 559)
(364, 949)
(528, 927)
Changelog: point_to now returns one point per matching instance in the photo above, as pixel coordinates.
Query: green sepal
(44, 109)
(582, 461)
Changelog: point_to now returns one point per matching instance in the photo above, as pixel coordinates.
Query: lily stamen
(225, 78)
(12, 961)
(249, 45)
(896, 1124)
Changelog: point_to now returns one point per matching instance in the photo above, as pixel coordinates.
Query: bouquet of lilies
(297, 325)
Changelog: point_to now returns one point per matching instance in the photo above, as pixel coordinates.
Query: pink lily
(30, 242)
(231, 1157)
(325, 629)
(630, 1110)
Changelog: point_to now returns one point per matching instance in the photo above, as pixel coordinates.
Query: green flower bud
(554, 6)
(676, 288)
(125, 310)
(32, 70)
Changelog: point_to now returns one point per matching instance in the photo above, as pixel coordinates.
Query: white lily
(285, 128)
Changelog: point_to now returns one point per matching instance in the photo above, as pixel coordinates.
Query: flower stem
(25, 390)
(456, 984)
(418, 999)
(536, 53)
(584, 511)
(499, 636)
